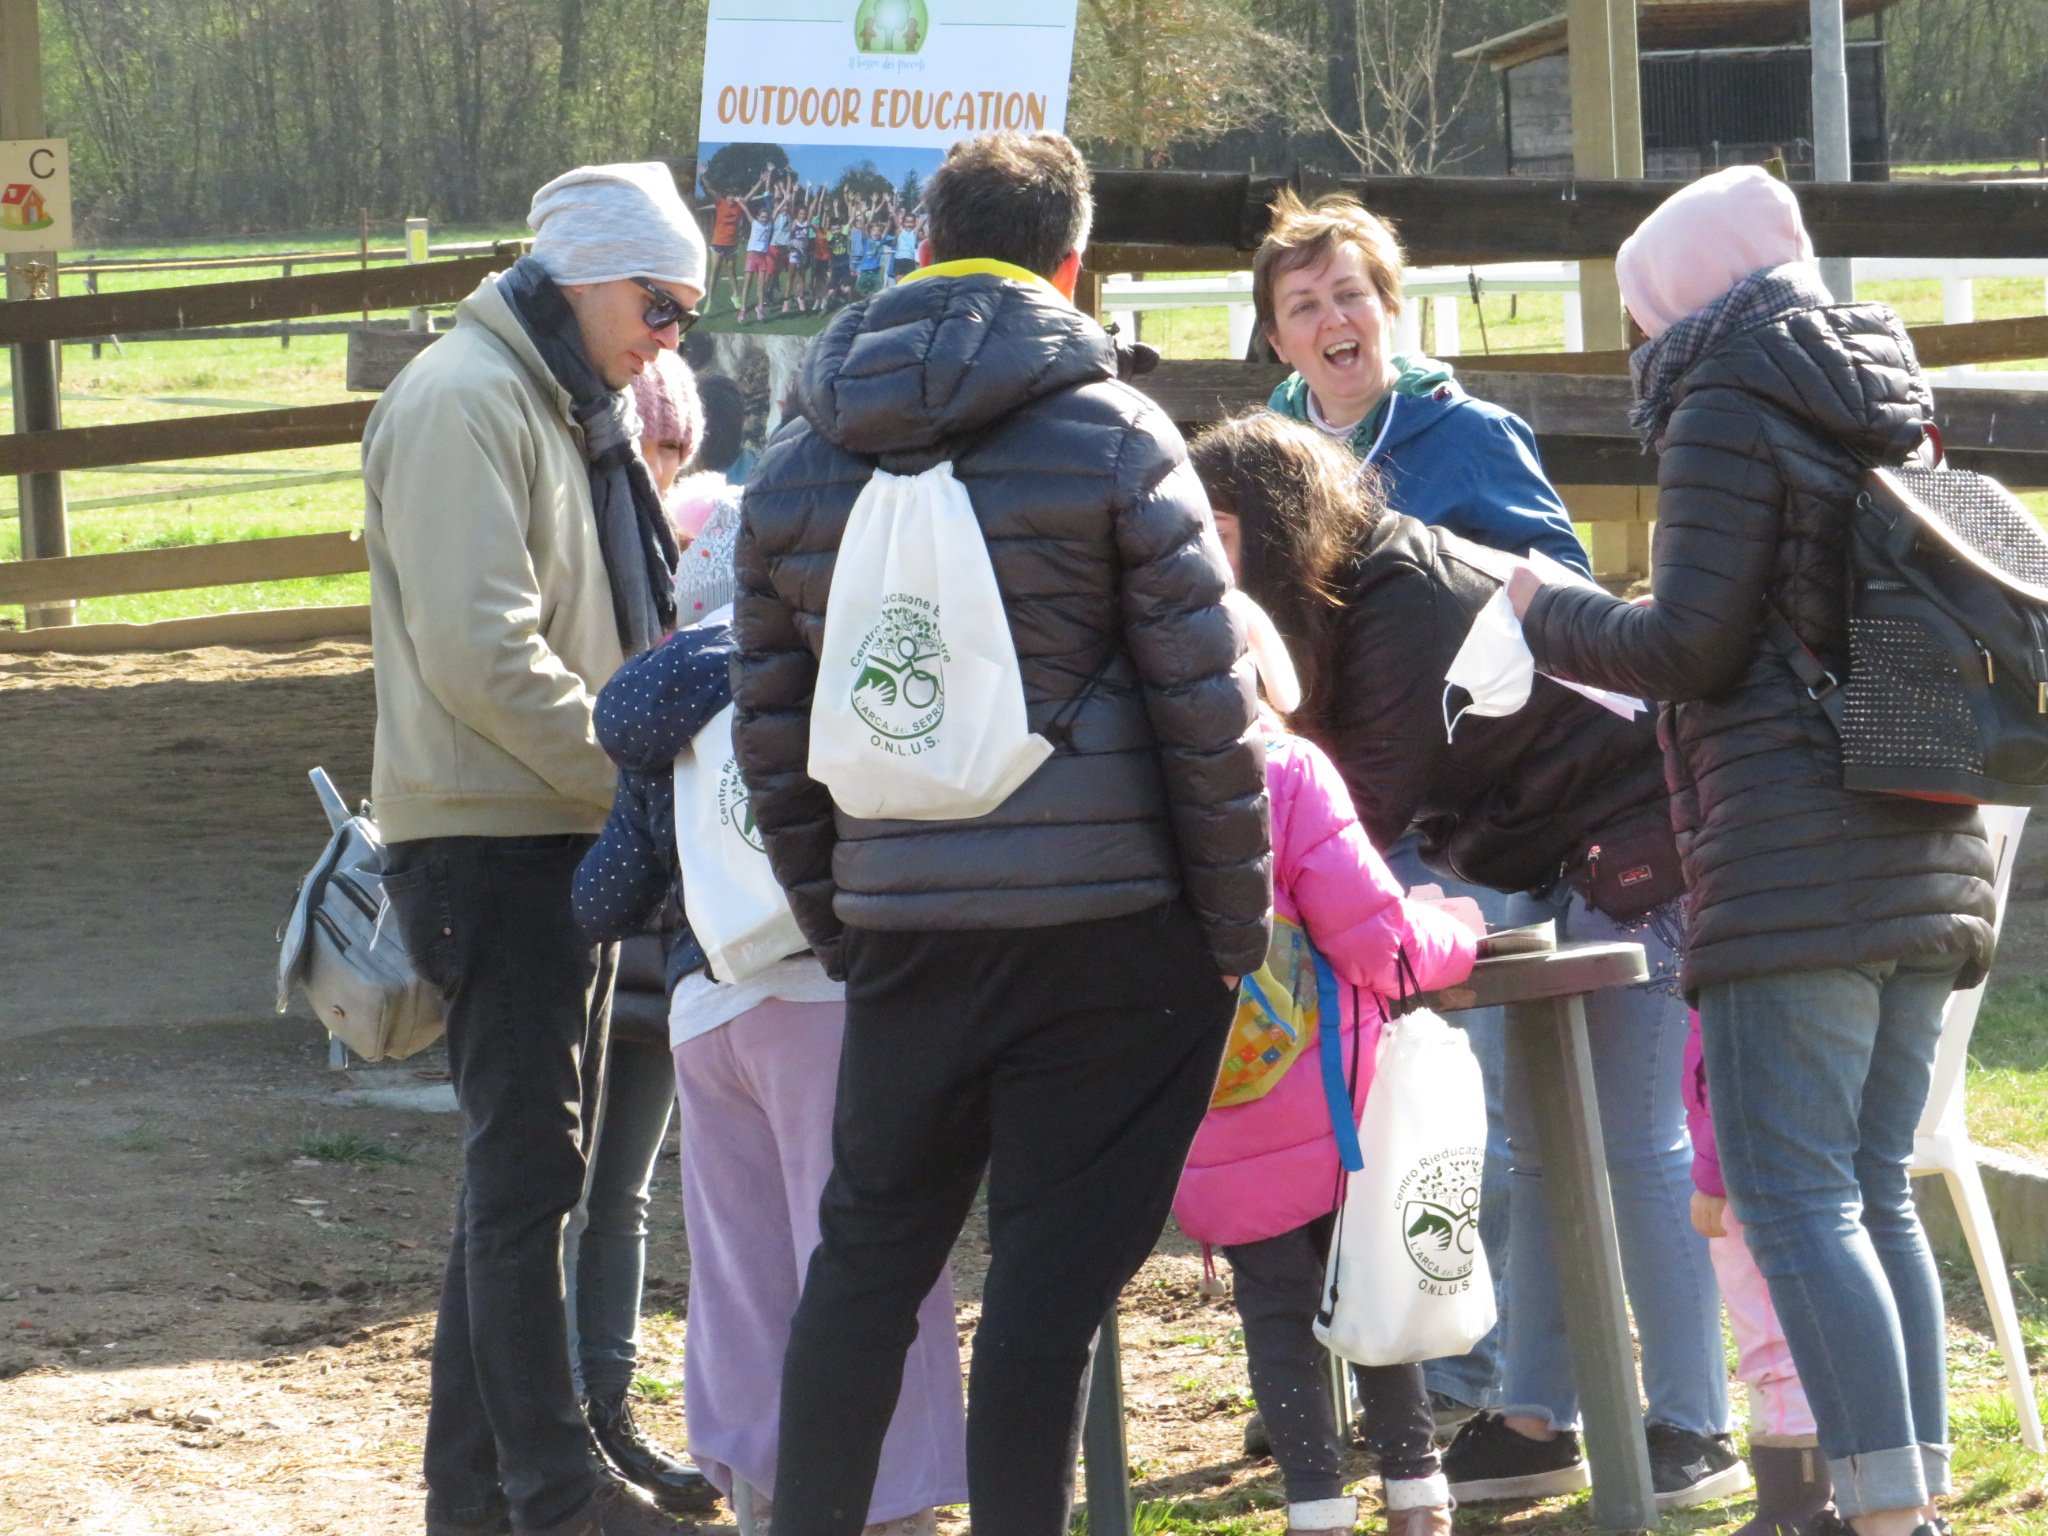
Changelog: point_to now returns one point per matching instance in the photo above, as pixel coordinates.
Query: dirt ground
(203, 1329)
(220, 1259)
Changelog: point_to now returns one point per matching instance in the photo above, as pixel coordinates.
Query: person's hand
(1465, 910)
(1707, 1211)
(1425, 893)
(1523, 585)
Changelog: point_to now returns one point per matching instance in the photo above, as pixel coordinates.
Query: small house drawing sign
(35, 195)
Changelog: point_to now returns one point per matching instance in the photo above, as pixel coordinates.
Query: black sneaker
(1688, 1469)
(1487, 1460)
(1451, 1415)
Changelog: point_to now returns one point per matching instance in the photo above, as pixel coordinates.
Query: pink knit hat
(1703, 240)
(665, 395)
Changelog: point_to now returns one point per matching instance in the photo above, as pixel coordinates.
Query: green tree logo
(736, 806)
(1440, 1214)
(900, 687)
(891, 26)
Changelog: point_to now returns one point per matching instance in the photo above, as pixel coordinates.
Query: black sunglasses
(667, 310)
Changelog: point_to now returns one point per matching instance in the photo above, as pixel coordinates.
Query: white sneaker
(751, 1508)
(924, 1523)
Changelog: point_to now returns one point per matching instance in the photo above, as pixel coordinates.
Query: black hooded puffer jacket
(1108, 562)
(1761, 464)
(1508, 802)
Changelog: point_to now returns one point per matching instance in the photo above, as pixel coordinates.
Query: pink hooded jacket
(1259, 1169)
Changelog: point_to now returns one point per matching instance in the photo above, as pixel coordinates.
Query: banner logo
(891, 26)
(900, 688)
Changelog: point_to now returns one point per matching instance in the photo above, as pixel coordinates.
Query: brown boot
(1418, 1506)
(1792, 1490)
(616, 1509)
(1433, 1520)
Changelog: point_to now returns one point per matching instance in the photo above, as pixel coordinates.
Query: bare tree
(1150, 73)
(1405, 105)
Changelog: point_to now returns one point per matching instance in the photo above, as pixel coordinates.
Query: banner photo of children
(821, 122)
(798, 231)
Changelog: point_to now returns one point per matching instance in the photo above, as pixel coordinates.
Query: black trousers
(488, 920)
(1071, 1064)
(1277, 1285)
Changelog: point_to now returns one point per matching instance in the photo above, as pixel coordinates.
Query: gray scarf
(1763, 296)
(639, 548)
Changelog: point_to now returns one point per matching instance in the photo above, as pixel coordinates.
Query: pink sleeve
(1349, 900)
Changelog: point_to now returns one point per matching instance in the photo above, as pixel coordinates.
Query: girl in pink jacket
(1262, 1179)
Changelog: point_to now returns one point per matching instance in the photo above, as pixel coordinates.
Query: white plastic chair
(1943, 1145)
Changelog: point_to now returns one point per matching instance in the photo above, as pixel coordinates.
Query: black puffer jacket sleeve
(773, 675)
(1718, 499)
(1189, 651)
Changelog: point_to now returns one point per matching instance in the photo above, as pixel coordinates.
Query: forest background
(241, 116)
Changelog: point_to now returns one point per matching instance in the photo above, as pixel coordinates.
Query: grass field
(151, 380)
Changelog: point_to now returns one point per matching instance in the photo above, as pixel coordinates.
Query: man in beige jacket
(516, 555)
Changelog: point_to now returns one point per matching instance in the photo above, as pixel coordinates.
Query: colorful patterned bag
(1278, 1009)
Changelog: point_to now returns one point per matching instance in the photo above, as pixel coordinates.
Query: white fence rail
(1448, 289)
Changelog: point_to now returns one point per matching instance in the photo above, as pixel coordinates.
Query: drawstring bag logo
(1439, 1202)
(899, 686)
(736, 806)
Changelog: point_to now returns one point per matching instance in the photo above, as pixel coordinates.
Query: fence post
(284, 332)
(1958, 307)
(44, 532)
(92, 285)
(416, 251)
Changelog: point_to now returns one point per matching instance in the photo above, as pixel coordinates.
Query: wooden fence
(1145, 222)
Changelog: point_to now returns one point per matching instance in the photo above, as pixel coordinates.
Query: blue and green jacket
(1456, 462)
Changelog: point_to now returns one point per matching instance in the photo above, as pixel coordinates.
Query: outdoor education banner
(821, 121)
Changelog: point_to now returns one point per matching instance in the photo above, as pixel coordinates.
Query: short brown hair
(1017, 197)
(1302, 503)
(1305, 236)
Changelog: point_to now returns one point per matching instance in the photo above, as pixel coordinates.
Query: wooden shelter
(1723, 82)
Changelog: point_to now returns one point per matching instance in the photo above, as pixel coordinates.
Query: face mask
(1493, 666)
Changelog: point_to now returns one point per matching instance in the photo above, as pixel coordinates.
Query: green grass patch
(352, 1148)
(654, 1389)
(2008, 1078)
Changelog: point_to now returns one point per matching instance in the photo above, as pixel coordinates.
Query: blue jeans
(1818, 1080)
(1637, 1036)
(604, 1256)
(1474, 1378)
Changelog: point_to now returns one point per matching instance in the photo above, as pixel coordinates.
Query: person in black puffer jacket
(1827, 927)
(1374, 605)
(1040, 993)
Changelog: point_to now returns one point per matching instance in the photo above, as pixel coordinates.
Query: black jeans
(1277, 1285)
(487, 919)
(1071, 1064)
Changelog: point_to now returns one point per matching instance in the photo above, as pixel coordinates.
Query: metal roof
(1673, 24)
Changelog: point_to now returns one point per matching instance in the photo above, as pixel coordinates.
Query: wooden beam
(189, 437)
(268, 626)
(192, 565)
(1445, 220)
(272, 298)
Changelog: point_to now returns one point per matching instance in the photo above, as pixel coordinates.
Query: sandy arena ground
(220, 1259)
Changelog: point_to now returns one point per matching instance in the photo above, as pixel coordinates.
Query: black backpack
(1947, 693)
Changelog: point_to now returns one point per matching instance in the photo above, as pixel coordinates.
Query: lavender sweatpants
(755, 1100)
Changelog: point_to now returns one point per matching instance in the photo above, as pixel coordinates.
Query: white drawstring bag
(1407, 1279)
(918, 713)
(736, 907)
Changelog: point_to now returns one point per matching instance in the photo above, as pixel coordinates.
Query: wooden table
(1548, 1058)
